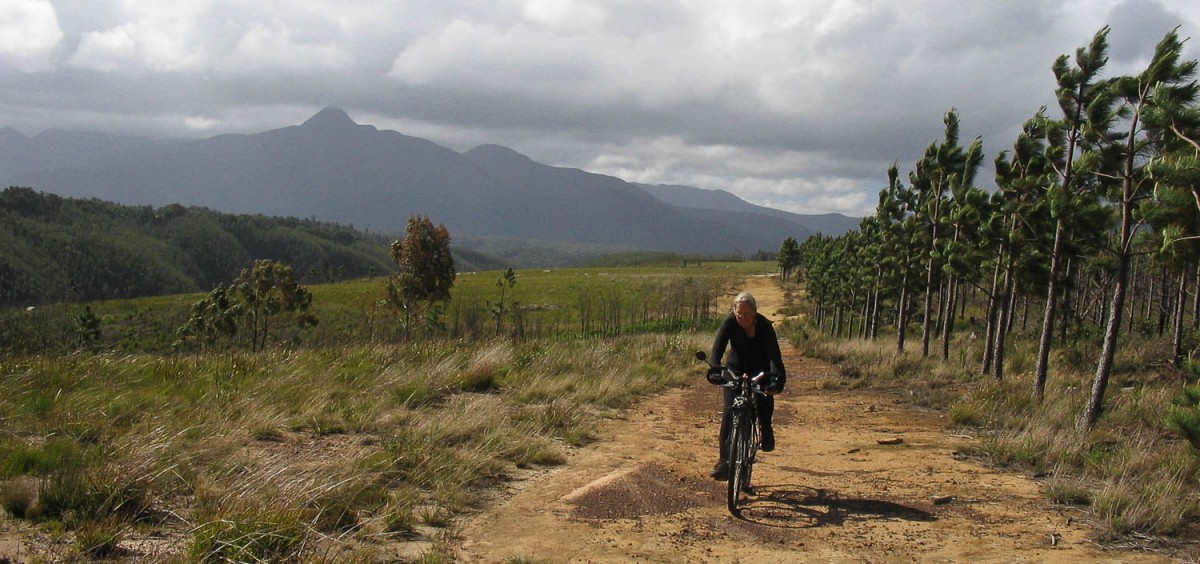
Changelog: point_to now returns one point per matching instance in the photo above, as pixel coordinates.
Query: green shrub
(100, 539)
(257, 536)
(17, 497)
(23, 460)
(400, 522)
(1068, 492)
(434, 516)
(89, 494)
(967, 414)
(1184, 416)
(413, 393)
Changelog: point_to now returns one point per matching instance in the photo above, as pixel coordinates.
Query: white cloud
(155, 35)
(803, 103)
(29, 34)
(107, 50)
(565, 15)
(264, 49)
(847, 203)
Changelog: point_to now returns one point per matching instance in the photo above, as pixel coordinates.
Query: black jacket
(750, 355)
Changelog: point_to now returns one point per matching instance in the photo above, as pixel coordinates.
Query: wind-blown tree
(1168, 77)
(267, 291)
(858, 272)
(841, 288)
(212, 318)
(426, 269)
(503, 307)
(1176, 174)
(1019, 219)
(1179, 165)
(819, 275)
(874, 259)
(1083, 99)
(898, 230)
(927, 188)
(788, 258)
(944, 165)
(1176, 222)
(960, 254)
(250, 306)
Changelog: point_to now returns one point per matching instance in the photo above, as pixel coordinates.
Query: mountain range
(333, 169)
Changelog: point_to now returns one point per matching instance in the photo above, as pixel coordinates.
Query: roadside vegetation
(1134, 474)
(334, 441)
(1057, 319)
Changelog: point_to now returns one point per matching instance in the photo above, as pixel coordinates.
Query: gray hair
(745, 298)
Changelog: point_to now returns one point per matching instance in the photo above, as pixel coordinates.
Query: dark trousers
(766, 410)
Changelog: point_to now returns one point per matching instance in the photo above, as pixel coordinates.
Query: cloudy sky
(801, 105)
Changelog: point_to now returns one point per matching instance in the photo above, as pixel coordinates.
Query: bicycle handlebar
(733, 379)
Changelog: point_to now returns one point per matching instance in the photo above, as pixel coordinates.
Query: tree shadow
(802, 507)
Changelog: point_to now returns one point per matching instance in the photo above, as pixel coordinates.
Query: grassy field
(543, 303)
(341, 442)
(335, 442)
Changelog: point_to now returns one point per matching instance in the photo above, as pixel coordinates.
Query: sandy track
(830, 492)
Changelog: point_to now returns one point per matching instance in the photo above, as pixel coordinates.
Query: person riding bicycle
(753, 348)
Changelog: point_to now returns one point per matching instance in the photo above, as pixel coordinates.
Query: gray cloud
(799, 105)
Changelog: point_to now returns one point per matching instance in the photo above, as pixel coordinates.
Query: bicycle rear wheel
(741, 460)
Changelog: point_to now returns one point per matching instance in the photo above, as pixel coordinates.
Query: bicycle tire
(741, 443)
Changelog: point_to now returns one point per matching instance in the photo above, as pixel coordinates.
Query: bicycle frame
(743, 435)
(743, 439)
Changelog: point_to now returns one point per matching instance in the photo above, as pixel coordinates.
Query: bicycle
(743, 431)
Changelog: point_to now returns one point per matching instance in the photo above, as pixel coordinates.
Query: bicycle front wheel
(741, 460)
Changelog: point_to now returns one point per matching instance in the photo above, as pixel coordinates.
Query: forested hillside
(56, 249)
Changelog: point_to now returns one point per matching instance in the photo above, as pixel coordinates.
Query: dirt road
(830, 492)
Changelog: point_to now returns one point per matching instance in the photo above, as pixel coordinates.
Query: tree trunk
(1177, 338)
(948, 317)
(1196, 301)
(927, 311)
(1065, 307)
(1165, 305)
(1043, 356)
(902, 313)
(990, 316)
(1002, 320)
(1095, 404)
(873, 324)
(926, 326)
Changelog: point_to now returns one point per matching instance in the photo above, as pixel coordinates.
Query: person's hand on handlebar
(774, 384)
(716, 375)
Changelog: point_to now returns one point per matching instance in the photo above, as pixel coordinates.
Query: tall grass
(272, 456)
(341, 438)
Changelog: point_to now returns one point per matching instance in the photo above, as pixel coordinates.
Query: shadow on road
(800, 507)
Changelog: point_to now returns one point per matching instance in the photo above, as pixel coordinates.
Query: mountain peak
(12, 135)
(331, 117)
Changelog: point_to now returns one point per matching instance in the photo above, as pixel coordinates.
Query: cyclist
(754, 348)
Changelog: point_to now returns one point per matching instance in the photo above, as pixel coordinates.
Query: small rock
(853, 450)
(891, 441)
(942, 499)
